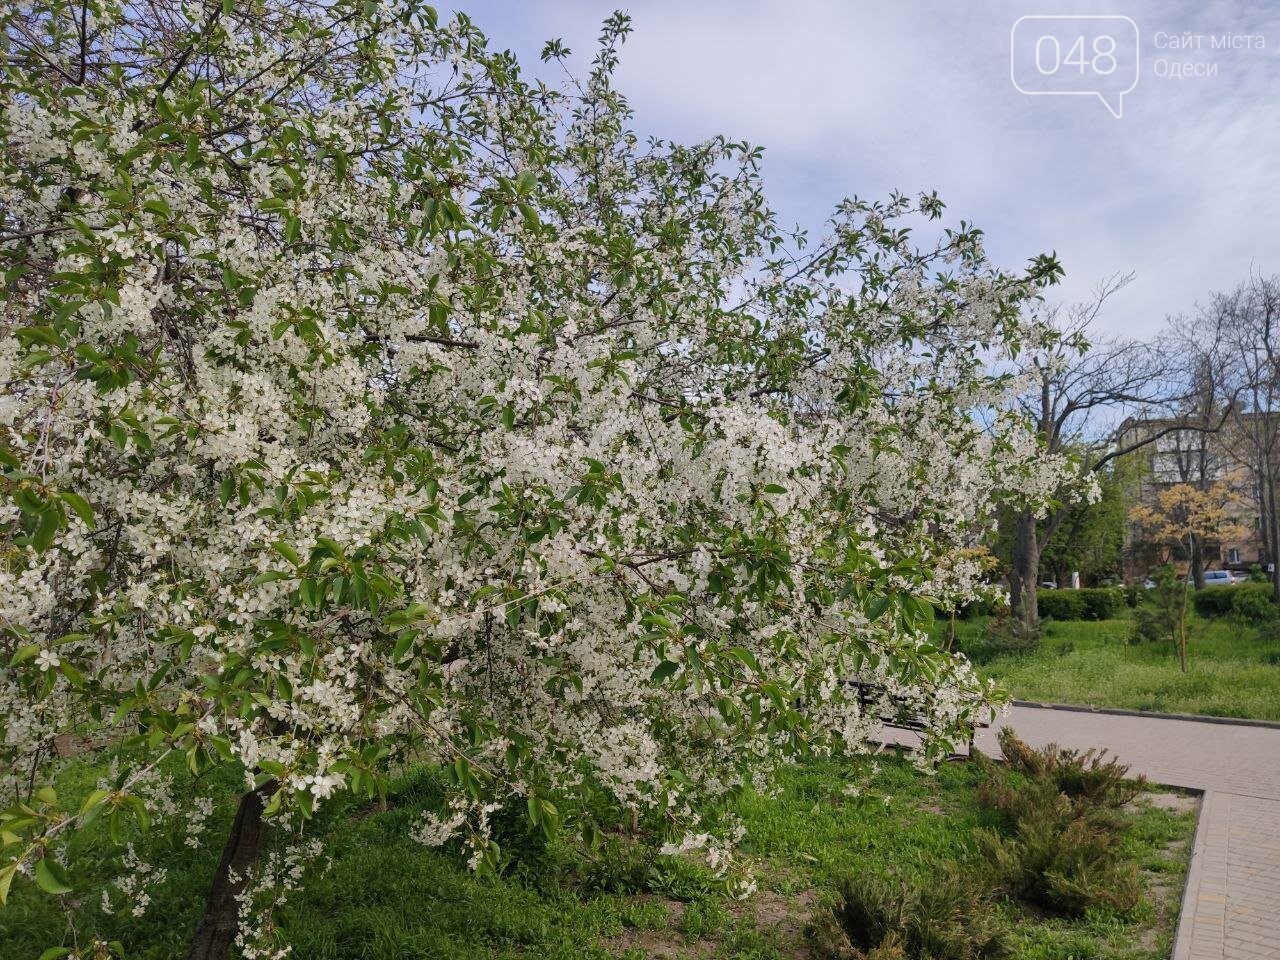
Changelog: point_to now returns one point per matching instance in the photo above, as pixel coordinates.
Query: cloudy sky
(862, 97)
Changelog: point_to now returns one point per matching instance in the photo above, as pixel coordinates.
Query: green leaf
(6, 880)
(140, 813)
(745, 657)
(71, 673)
(877, 608)
(664, 670)
(46, 529)
(25, 652)
(403, 645)
(92, 801)
(55, 953)
(51, 878)
(80, 505)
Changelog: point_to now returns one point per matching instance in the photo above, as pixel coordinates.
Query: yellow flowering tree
(1178, 518)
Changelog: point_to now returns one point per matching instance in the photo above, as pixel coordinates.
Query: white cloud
(864, 97)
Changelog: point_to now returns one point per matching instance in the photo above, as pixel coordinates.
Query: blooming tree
(1177, 519)
(368, 404)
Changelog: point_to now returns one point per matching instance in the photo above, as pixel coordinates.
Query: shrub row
(1056, 847)
(1098, 603)
(1248, 601)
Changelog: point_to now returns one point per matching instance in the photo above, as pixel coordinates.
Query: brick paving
(1235, 759)
(1231, 909)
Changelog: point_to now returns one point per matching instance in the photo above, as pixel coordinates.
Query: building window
(1233, 555)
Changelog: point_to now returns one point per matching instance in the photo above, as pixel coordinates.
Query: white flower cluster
(274, 879)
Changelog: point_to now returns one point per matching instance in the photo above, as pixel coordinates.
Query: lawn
(1233, 669)
(384, 896)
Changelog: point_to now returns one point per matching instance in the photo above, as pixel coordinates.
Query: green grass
(384, 897)
(1233, 670)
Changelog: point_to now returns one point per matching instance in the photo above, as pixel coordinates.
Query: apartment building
(1203, 459)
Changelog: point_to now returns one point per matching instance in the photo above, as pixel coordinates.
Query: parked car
(1218, 578)
(1048, 584)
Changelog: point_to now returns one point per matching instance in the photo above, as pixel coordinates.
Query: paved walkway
(1231, 908)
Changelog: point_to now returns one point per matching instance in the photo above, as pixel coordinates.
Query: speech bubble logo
(1075, 55)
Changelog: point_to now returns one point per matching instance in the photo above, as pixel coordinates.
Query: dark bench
(893, 711)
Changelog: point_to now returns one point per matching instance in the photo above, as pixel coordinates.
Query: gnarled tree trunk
(1025, 573)
(218, 926)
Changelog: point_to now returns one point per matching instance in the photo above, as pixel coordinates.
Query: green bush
(1057, 844)
(1252, 605)
(1060, 604)
(1102, 603)
(1220, 601)
(1059, 861)
(1083, 776)
(1154, 622)
(947, 917)
(1214, 601)
(1095, 603)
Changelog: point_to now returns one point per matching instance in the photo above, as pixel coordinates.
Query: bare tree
(1201, 361)
(1080, 397)
(1248, 321)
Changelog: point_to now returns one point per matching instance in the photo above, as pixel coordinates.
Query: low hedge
(1253, 606)
(1215, 601)
(1245, 600)
(1103, 603)
(1249, 602)
(1097, 603)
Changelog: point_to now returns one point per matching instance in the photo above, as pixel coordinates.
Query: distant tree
(1178, 517)
(1201, 361)
(1163, 618)
(1247, 320)
(1090, 537)
(1079, 390)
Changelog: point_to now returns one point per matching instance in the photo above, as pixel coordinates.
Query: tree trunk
(1273, 525)
(1182, 627)
(1025, 573)
(1197, 562)
(1266, 520)
(220, 922)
